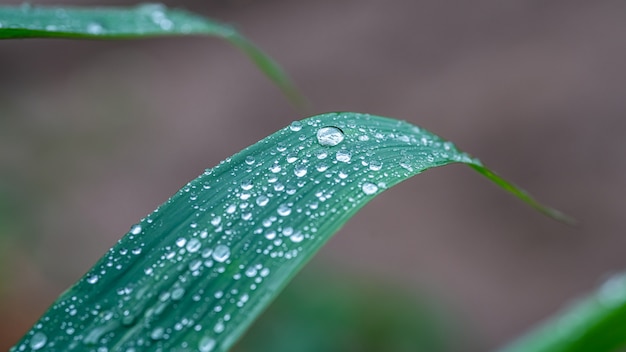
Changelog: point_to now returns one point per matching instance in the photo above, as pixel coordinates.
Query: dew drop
(369, 188)
(157, 333)
(295, 126)
(329, 136)
(270, 235)
(251, 272)
(135, 229)
(343, 156)
(250, 160)
(275, 168)
(375, 165)
(181, 242)
(231, 209)
(178, 293)
(219, 327)
(284, 210)
(38, 340)
(291, 158)
(221, 253)
(216, 221)
(193, 245)
(297, 237)
(321, 167)
(262, 201)
(300, 170)
(92, 279)
(206, 344)
(95, 28)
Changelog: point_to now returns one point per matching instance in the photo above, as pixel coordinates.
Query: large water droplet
(329, 136)
(38, 340)
(221, 253)
(369, 188)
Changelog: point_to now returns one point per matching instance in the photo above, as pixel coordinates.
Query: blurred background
(94, 135)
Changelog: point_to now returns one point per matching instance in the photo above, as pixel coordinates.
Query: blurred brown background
(95, 135)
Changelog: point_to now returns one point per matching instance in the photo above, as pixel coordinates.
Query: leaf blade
(595, 323)
(195, 273)
(141, 21)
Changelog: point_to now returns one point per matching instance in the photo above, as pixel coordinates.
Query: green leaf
(592, 324)
(142, 21)
(337, 313)
(194, 274)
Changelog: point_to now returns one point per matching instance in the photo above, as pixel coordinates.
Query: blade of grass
(195, 273)
(592, 324)
(141, 21)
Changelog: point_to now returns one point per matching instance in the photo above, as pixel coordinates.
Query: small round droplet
(369, 188)
(178, 293)
(375, 165)
(219, 327)
(193, 245)
(251, 271)
(262, 201)
(295, 126)
(206, 344)
(275, 168)
(250, 160)
(284, 210)
(95, 28)
(343, 156)
(329, 136)
(180, 242)
(38, 341)
(157, 333)
(297, 237)
(135, 229)
(221, 253)
(300, 170)
(92, 279)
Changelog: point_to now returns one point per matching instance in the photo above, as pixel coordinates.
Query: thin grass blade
(194, 274)
(141, 21)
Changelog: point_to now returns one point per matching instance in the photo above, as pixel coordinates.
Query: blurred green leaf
(141, 21)
(326, 312)
(196, 273)
(596, 323)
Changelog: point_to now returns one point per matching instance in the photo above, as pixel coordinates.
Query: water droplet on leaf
(329, 136)
(343, 156)
(221, 253)
(38, 340)
(369, 188)
(295, 126)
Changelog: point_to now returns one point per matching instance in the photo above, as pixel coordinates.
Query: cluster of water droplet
(204, 255)
(143, 19)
